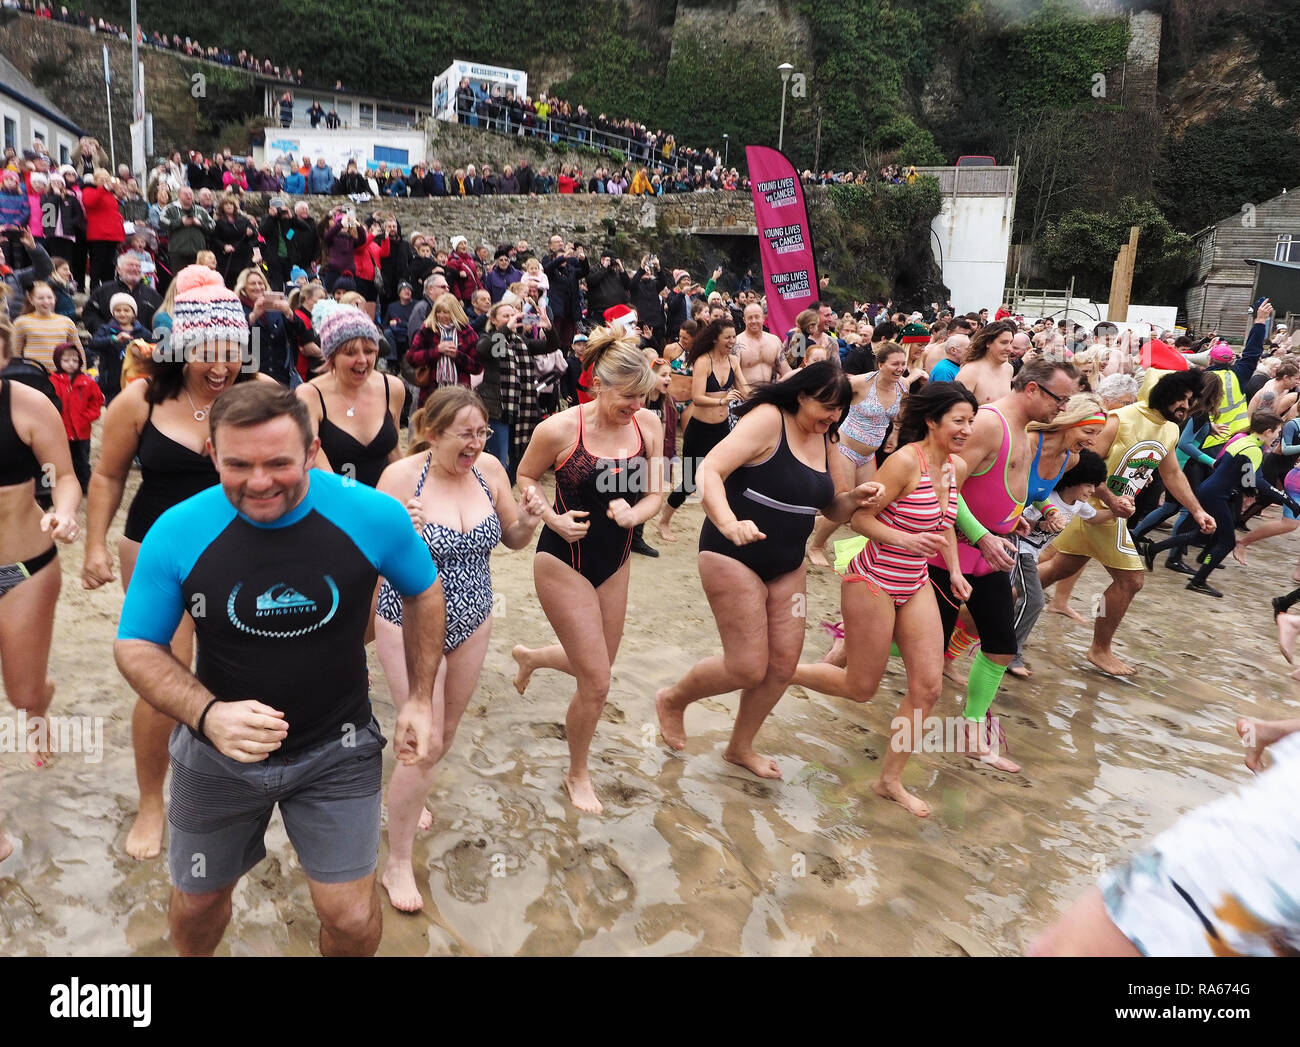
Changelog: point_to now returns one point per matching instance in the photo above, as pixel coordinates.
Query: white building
(971, 236)
(26, 115)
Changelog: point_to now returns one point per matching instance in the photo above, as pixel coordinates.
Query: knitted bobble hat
(206, 311)
(343, 326)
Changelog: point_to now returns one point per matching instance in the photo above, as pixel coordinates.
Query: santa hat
(1162, 356)
(621, 316)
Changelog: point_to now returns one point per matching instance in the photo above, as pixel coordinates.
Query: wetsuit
(890, 568)
(170, 472)
(1237, 471)
(463, 560)
(1279, 467)
(280, 614)
(586, 483)
(18, 465)
(782, 497)
(284, 605)
(700, 438)
(348, 456)
(993, 507)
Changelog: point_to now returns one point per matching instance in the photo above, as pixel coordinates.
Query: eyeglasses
(1060, 400)
(478, 435)
(658, 361)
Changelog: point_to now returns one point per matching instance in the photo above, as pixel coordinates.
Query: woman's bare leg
(785, 633)
(26, 632)
(738, 599)
(409, 787)
(572, 606)
(868, 625)
(150, 731)
(919, 633)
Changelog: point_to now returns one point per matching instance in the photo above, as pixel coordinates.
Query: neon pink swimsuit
(990, 501)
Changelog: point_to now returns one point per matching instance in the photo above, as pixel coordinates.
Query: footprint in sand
(1168, 724)
(550, 730)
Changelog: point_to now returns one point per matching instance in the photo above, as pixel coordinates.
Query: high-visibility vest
(1232, 410)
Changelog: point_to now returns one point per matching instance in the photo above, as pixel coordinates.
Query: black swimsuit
(170, 472)
(367, 461)
(783, 497)
(588, 484)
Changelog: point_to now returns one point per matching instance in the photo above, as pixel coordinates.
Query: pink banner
(784, 237)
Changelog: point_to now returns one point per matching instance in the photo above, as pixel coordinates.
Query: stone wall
(627, 224)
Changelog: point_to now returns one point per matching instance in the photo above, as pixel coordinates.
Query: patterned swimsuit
(890, 567)
(463, 564)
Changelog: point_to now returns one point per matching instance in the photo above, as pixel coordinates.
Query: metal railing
(553, 130)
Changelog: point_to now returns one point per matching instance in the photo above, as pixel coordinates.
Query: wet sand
(693, 855)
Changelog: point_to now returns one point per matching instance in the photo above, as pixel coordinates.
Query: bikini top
(711, 383)
(18, 462)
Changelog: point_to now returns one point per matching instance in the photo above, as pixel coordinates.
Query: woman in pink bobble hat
(164, 422)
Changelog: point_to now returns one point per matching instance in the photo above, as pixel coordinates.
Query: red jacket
(103, 219)
(81, 400)
(366, 258)
(463, 275)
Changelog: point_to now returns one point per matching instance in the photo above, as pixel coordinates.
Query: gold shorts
(1107, 543)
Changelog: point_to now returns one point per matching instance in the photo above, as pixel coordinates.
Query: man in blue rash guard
(278, 568)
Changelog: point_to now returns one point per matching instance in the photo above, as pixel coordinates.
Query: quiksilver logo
(282, 598)
(92, 1000)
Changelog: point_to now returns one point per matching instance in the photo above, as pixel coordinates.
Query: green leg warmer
(982, 686)
(893, 651)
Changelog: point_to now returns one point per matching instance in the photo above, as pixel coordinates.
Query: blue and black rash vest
(280, 610)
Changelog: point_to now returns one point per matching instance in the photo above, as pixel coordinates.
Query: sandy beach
(694, 855)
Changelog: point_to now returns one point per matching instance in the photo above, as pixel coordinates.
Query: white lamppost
(785, 69)
(726, 147)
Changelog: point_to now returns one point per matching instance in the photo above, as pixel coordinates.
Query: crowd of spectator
(181, 44)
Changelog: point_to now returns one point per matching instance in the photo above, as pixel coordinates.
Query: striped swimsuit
(899, 573)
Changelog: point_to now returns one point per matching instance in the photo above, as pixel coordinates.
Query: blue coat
(320, 180)
(295, 184)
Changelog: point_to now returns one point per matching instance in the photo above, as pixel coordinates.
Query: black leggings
(699, 439)
(103, 260)
(991, 605)
(1217, 545)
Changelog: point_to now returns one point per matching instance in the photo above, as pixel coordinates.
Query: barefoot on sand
(895, 791)
(672, 723)
(399, 882)
(1020, 672)
(817, 556)
(6, 847)
(1239, 554)
(426, 819)
(953, 671)
(520, 654)
(978, 748)
(582, 794)
(665, 532)
(1067, 611)
(1288, 629)
(763, 766)
(1108, 663)
(144, 841)
(1256, 736)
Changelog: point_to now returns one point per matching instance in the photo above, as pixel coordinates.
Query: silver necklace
(352, 407)
(200, 413)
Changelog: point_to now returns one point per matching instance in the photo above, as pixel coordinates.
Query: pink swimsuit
(899, 573)
(989, 499)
